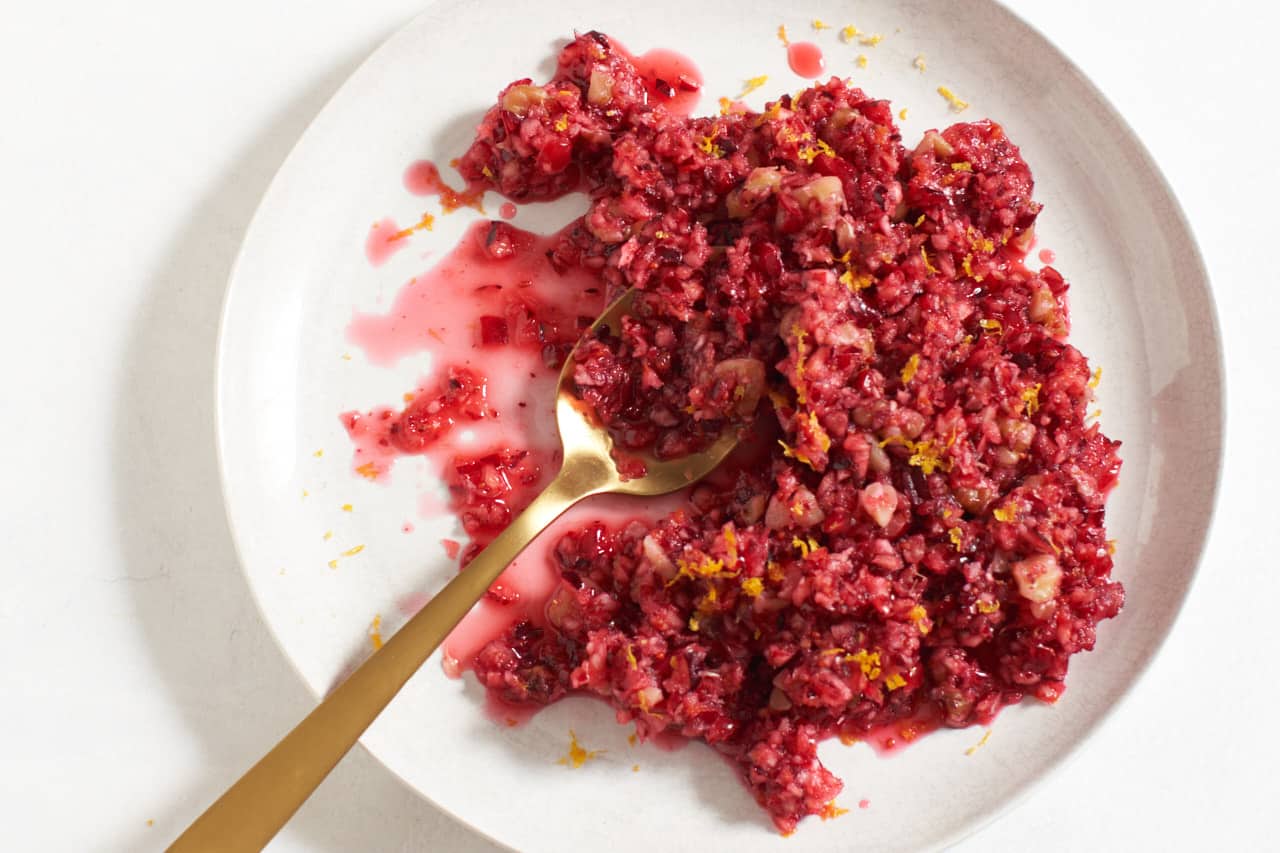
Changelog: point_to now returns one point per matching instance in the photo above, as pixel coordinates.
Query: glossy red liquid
(438, 312)
(443, 312)
(894, 737)
(671, 78)
(384, 240)
(423, 178)
(805, 58)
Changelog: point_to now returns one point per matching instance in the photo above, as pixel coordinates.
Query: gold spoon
(254, 809)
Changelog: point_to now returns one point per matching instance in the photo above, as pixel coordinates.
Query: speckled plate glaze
(1141, 306)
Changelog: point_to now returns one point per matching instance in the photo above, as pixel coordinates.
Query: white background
(138, 679)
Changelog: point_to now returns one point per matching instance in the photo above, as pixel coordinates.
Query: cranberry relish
(925, 541)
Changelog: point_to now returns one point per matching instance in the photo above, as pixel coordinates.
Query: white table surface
(138, 679)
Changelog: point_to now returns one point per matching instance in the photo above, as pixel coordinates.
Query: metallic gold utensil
(254, 809)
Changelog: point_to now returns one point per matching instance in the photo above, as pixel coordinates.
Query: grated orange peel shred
(995, 327)
(920, 617)
(927, 457)
(577, 756)
(707, 144)
(805, 546)
(800, 336)
(831, 811)
(868, 662)
(928, 266)
(791, 453)
(810, 153)
(1031, 397)
(909, 369)
(751, 84)
(956, 103)
(980, 744)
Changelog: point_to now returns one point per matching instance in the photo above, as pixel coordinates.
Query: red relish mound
(920, 541)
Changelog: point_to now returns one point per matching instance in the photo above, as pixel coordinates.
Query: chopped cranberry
(493, 331)
(488, 489)
(499, 240)
(431, 415)
(914, 535)
(499, 593)
(554, 155)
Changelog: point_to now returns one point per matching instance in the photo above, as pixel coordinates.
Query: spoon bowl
(588, 447)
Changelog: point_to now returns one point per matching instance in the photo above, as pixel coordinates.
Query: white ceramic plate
(1141, 307)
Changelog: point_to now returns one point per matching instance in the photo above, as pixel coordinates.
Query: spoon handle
(254, 809)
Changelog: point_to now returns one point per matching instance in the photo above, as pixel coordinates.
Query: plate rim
(981, 819)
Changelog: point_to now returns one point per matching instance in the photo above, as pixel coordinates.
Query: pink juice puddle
(671, 79)
(805, 58)
(384, 240)
(423, 178)
(439, 311)
(450, 312)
